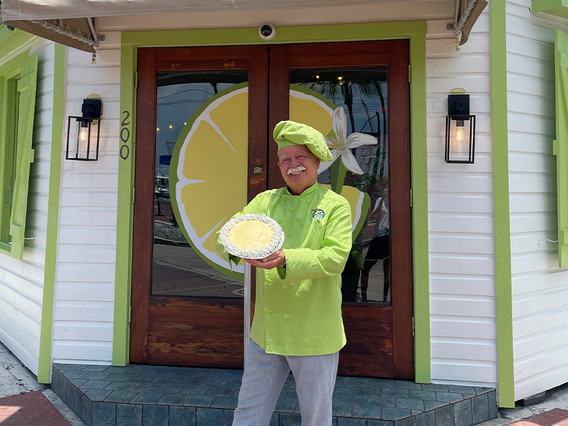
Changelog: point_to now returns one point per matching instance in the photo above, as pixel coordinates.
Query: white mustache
(296, 170)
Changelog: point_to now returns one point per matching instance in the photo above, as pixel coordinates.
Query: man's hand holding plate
(270, 262)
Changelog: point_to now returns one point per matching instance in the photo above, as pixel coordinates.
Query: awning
(75, 33)
(467, 12)
(71, 22)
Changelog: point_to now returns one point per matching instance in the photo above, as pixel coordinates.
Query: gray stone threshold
(174, 396)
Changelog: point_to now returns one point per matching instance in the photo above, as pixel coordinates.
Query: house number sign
(125, 136)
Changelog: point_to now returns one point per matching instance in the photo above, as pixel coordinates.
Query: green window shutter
(560, 147)
(25, 153)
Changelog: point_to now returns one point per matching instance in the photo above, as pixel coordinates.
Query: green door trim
(503, 279)
(413, 31)
(46, 338)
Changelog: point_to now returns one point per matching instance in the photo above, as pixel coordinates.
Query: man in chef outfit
(297, 322)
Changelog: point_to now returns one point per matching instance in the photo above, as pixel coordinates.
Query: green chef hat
(287, 133)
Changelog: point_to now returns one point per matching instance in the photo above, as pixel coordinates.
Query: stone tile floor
(172, 396)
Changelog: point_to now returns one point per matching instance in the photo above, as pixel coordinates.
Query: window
(17, 106)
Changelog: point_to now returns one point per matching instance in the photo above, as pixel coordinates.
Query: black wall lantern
(460, 129)
(83, 132)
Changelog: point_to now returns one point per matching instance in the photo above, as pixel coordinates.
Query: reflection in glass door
(179, 267)
(362, 95)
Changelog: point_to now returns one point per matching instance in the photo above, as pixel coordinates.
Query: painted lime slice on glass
(208, 172)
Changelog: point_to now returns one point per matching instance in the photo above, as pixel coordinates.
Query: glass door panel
(181, 264)
(352, 101)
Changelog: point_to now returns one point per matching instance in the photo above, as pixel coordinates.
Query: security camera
(267, 32)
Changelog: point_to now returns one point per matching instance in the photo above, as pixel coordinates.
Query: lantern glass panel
(460, 140)
(83, 139)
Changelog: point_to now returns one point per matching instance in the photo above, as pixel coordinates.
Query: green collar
(307, 191)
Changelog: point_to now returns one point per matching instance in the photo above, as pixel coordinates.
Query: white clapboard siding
(460, 203)
(540, 288)
(84, 306)
(21, 281)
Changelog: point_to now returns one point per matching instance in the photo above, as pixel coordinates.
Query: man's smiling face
(299, 167)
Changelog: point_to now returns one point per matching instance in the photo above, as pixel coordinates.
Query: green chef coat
(298, 308)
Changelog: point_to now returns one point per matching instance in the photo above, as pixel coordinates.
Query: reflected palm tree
(334, 89)
(370, 88)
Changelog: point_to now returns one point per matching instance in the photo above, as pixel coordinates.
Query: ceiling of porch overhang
(71, 22)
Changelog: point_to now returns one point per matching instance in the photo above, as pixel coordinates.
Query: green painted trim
(503, 281)
(4, 32)
(44, 368)
(419, 182)
(9, 70)
(27, 90)
(552, 7)
(11, 41)
(414, 31)
(121, 324)
(249, 36)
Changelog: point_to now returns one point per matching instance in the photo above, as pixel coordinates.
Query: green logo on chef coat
(318, 214)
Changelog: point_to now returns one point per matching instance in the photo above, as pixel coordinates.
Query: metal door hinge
(413, 327)
(411, 198)
(133, 194)
(136, 80)
(409, 73)
(130, 314)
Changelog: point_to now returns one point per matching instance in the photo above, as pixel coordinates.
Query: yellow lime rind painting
(357, 200)
(208, 172)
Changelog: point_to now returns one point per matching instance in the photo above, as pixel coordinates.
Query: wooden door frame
(415, 32)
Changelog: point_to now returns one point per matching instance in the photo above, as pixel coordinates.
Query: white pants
(265, 375)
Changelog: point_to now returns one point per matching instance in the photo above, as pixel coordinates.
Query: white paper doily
(271, 247)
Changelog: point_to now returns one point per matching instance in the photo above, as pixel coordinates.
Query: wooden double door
(204, 148)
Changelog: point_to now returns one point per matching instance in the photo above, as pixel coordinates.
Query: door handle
(257, 170)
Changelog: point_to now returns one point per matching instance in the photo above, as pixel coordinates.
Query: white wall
(21, 281)
(540, 288)
(84, 296)
(460, 202)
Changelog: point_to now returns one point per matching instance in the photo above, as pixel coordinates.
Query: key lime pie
(252, 236)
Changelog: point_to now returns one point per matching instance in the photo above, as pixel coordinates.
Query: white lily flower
(341, 146)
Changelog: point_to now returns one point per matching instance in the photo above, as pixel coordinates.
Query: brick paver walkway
(31, 408)
(556, 417)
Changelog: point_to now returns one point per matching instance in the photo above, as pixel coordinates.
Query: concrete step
(172, 396)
